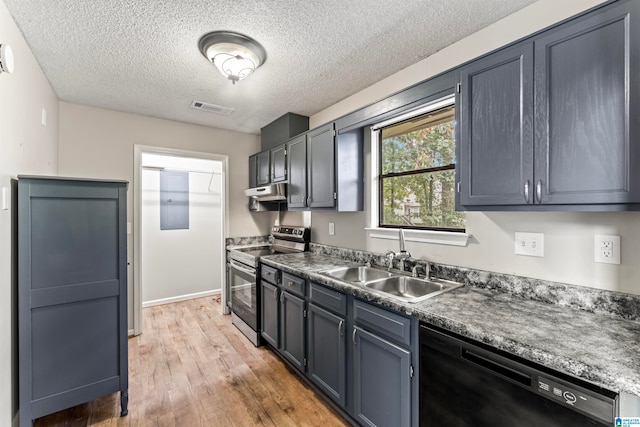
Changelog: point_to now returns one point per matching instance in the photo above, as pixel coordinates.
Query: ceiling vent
(211, 108)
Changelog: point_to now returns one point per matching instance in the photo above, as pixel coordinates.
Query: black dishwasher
(462, 384)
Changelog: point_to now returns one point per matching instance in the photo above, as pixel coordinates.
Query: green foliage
(433, 192)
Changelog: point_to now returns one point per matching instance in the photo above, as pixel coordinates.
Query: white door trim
(137, 209)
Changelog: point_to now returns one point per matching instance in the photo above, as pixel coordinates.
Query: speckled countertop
(599, 348)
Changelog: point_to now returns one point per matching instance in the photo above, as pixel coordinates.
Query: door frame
(138, 150)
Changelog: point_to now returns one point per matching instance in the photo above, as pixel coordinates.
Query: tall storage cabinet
(72, 293)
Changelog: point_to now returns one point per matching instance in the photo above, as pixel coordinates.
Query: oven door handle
(244, 270)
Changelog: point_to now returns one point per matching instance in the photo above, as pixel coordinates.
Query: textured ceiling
(141, 56)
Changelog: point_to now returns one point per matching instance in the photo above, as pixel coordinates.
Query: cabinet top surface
(67, 178)
(593, 347)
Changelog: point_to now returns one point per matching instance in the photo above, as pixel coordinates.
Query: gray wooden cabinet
(263, 161)
(326, 342)
(321, 167)
(382, 381)
(383, 358)
(297, 169)
(253, 171)
(552, 121)
(292, 329)
(72, 293)
(270, 312)
(279, 163)
(496, 129)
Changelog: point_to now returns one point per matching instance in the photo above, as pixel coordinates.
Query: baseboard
(180, 298)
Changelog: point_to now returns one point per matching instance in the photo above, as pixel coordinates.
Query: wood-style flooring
(192, 367)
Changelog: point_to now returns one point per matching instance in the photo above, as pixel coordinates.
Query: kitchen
(88, 141)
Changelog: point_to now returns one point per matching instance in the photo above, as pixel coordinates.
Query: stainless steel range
(242, 273)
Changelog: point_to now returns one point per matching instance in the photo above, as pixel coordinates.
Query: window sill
(422, 236)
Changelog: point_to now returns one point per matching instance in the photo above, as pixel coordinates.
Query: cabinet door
(264, 168)
(253, 171)
(270, 313)
(279, 163)
(321, 168)
(496, 129)
(297, 166)
(587, 94)
(382, 381)
(326, 338)
(292, 329)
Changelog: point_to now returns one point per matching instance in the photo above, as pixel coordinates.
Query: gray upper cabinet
(253, 171)
(321, 167)
(297, 167)
(550, 123)
(496, 128)
(587, 95)
(279, 163)
(264, 167)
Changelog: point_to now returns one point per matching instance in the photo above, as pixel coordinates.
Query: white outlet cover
(529, 244)
(332, 229)
(606, 249)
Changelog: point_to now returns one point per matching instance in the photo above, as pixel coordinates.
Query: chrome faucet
(404, 254)
(390, 255)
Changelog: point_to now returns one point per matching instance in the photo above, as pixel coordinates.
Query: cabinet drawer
(269, 274)
(328, 298)
(293, 284)
(385, 323)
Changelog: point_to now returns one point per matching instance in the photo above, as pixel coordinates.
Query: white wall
(177, 264)
(26, 147)
(568, 236)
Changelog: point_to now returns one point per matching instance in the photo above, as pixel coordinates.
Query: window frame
(378, 177)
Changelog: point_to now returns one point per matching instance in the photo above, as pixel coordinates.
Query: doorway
(178, 259)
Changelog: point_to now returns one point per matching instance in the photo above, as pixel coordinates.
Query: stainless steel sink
(358, 275)
(393, 284)
(412, 289)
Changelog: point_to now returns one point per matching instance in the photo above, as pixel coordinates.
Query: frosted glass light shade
(234, 55)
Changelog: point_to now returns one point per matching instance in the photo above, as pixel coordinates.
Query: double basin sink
(395, 285)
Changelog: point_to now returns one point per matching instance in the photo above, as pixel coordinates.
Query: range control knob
(569, 397)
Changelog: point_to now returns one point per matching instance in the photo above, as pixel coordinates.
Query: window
(417, 171)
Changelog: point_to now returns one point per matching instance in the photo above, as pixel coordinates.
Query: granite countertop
(597, 348)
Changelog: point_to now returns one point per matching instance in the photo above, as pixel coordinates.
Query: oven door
(244, 292)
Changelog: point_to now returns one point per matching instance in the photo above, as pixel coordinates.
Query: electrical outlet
(529, 244)
(606, 249)
(332, 229)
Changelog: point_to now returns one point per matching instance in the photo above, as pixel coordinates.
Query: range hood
(268, 193)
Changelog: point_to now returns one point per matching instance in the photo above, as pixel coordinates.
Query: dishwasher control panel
(578, 398)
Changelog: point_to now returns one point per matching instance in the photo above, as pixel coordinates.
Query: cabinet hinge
(285, 151)
(458, 87)
(304, 313)
(458, 186)
(335, 196)
(411, 371)
(335, 133)
(304, 361)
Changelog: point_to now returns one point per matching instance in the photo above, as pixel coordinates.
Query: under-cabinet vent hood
(268, 193)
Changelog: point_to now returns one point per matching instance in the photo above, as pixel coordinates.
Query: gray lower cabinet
(72, 293)
(552, 121)
(326, 352)
(292, 329)
(382, 381)
(270, 312)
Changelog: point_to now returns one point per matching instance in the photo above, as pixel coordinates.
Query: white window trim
(423, 236)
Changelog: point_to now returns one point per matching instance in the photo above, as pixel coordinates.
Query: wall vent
(211, 108)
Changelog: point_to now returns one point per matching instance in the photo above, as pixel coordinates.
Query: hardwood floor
(192, 367)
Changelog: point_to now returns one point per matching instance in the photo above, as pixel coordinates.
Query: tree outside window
(417, 173)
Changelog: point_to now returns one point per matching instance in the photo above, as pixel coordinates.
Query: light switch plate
(5, 205)
(606, 249)
(529, 244)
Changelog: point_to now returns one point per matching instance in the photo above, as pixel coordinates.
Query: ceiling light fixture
(235, 55)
